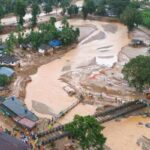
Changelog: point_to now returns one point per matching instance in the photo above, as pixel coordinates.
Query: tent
(55, 43)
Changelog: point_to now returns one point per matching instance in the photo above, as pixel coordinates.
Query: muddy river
(101, 41)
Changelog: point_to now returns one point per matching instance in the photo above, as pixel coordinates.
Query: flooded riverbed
(123, 135)
(102, 42)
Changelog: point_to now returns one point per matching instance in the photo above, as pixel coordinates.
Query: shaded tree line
(67, 34)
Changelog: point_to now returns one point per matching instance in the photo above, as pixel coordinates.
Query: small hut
(45, 49)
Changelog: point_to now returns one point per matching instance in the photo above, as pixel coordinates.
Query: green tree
(35, 38)
(20, 39)
(100, 7)
(146, 17)
(65, 22)
(1, 27)
(20, 10)
(118, 6)
(48, 7)
(134, 4)
(53, 20)
(8, 5)
(84, 12)
(73, 10)
(89, 7)
(64, 4)
(87, 131)
(1, 16)
(131, 17)
(2, 12)
(10, 43)
(48, 31)
(4, 80)
(137, 72)
(35, 12)
(56, 4)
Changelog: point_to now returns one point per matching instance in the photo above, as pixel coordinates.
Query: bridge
(102, 117)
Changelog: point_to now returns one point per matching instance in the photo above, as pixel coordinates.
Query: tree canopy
(89, 7)
(1, 12)
(35, 12)
(146, 17)
(48, 32)
(10, 43)
(118, 6)
(20, 10)
(131, 17)
(137, 72)
(73, 10)
(4, 80)
(48, 7)
(87, 131)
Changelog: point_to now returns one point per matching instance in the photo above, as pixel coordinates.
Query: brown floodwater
(47, 89)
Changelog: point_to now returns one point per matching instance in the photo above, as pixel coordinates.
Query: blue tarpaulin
(6, 71)
(55, 43)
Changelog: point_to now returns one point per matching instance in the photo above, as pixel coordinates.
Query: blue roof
(16, 106)
(6, 71)
(55, 43)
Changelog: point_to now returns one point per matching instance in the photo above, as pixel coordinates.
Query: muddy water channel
(99, 41)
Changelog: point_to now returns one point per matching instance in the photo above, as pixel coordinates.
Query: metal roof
(17, 107)
(7, 59)
(6, 71)
(8, 142)
(44, 47)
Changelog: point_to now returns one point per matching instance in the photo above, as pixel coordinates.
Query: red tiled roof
(27, 123)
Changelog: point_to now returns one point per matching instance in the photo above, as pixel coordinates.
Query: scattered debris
(147, 125)
(144, 143)
(70, 91)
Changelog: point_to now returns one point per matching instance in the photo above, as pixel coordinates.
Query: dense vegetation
(20, 10)
(146, 17)
(4, 80)
(131, 17)
(127, 11)
(137, 72)
(122, 9)
(47, 32)
(87, 131)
